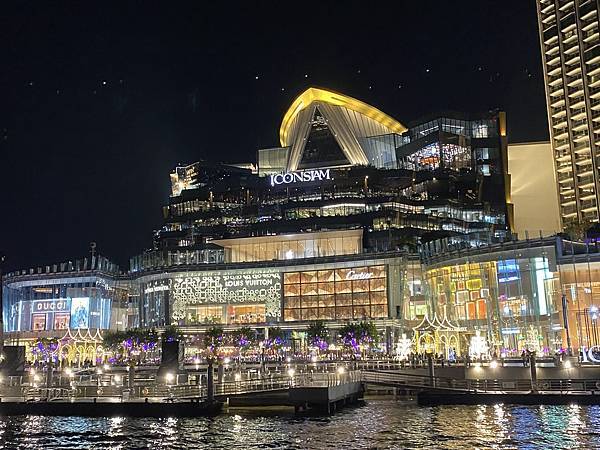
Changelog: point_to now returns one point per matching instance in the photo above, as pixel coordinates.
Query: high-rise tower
(570, 46)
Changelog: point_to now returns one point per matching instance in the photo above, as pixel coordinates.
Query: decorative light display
(478, 345)
(533, 340)
(403, 348)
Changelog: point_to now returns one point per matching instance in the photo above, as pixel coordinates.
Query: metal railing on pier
(416, 382)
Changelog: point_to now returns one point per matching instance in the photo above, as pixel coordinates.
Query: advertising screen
(80, 312)
(508, 270)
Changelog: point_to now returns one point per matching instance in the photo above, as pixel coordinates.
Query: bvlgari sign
(302, 176)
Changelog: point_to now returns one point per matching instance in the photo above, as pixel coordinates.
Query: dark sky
(100, 101)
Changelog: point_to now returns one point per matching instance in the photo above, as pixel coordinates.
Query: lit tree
(275, 340)
(243, 338)
(45, 348)
(353, 335)
(318, 335)
(213, 341)
(349, 335)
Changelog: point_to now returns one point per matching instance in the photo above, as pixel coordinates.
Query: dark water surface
(377, 424)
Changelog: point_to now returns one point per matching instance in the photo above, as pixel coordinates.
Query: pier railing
(416, 382)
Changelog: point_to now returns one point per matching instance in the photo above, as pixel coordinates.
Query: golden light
(312, 95)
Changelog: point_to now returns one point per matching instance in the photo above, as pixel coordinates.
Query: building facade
(570, 44)
(355, 217)
(72, 303)
(345, 165)
(533, 189)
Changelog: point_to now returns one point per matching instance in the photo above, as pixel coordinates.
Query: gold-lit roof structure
(349, 119)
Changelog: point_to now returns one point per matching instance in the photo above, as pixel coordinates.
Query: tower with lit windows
(570, 45)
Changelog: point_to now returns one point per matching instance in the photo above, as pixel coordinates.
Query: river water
(379, 423)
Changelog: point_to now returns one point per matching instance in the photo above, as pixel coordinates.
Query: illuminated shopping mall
(354, 216)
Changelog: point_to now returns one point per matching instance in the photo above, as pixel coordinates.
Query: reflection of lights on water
(575, 422)
(237, 425)
(171, 421)
(116, 421)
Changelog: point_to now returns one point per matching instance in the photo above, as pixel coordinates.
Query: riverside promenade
(322, 387)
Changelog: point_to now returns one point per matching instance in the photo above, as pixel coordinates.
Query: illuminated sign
(352, 275)
(60, 304)
(591, 355)
(162, 287)
(300, 177)
(225, 289)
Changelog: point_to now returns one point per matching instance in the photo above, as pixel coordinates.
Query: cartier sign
(352, 275)
(300, 177)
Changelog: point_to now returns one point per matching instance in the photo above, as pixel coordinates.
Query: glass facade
(337, 294)
(581, 286)
(55, 305)
(293, 246)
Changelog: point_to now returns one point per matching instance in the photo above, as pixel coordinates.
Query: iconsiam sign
(300, 177)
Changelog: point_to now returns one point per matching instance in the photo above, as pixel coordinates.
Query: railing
(326, 379)
(416, 382)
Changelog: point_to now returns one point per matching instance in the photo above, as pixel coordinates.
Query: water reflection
(378, 424)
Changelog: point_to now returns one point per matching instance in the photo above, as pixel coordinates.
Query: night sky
(100, 101)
